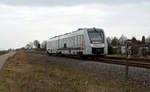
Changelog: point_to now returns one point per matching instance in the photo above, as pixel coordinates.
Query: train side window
(78, 40)
(60, 41)
(63, 41)
(71, 42)
(65, 45)
(83, 41)
(73, 38)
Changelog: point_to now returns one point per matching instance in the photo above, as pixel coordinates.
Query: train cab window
(65, 45)
(96, 36)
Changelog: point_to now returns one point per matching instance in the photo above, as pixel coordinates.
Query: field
(24, 73)
(3, 52)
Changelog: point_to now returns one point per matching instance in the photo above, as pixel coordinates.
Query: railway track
(142, 63)
(127, 62)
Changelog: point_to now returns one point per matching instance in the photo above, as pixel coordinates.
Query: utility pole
(128, 54)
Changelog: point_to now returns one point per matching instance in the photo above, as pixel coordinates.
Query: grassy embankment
(23, 73)
(3, 52)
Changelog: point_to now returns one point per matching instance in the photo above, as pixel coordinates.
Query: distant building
(123, 50)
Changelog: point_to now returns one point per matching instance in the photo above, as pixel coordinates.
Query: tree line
(112, 42)
(36, 44)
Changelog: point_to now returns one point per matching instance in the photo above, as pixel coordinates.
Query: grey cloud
(64, 2)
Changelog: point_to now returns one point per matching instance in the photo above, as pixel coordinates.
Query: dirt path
(3, 58)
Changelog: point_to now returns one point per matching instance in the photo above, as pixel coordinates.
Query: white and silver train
(84, 41)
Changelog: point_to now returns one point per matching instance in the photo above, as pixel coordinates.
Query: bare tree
(28, 46)
(148, 40)
(115, 41)
(143, 39)
(109, 40)
(36, 44)
(122, 40)
(31, 44)
(134, 40)
(43, 45)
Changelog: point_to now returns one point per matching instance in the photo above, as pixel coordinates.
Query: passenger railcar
(84, 41)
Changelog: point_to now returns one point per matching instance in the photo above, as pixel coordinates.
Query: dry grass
(23, 73)
(39, 52)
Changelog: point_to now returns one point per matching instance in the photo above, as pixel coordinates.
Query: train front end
(98, 42)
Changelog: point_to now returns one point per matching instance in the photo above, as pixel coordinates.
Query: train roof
(79, 29)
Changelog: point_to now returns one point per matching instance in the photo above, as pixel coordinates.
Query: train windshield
(96, 36)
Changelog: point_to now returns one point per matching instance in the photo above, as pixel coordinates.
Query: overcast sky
(23, 21)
